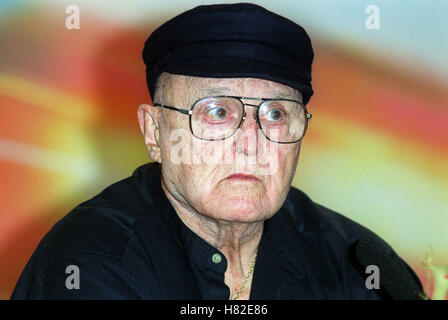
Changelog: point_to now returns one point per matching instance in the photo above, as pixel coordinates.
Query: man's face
(204, 185)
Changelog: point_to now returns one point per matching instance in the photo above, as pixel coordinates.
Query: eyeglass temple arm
(187, 112)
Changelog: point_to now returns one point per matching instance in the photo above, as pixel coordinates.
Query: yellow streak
(364, 143)
(44, 97)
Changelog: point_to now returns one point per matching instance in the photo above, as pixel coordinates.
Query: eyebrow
(281, 95)
(217, 91)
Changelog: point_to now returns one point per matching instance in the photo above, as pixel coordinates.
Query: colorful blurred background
(376, 149)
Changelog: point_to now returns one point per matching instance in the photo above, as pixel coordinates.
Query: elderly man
(215, 216)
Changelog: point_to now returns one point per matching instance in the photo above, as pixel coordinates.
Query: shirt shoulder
(102, 225)
(315, 218)
(318, 229)
(94, 237)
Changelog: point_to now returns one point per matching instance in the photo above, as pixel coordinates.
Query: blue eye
(217, 113)
(275, 115)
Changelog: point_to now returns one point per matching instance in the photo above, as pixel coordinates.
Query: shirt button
(216, 258)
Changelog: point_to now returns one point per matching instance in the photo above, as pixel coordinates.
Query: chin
(239, 209)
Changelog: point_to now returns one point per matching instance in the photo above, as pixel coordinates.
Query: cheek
(187, 182)
(197, 180)
(282, 169)
(288, 157)
(278, 161)
(213, 153)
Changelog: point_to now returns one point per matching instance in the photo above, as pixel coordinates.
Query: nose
(247, 135)
(245, 116)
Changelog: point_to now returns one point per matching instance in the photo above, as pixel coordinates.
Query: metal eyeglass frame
(257, 118)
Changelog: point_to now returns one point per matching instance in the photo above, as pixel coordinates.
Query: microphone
(397, 280)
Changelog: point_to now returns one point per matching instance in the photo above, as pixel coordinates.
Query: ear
(148, 121)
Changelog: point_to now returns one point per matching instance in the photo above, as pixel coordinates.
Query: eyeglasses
(219, 117)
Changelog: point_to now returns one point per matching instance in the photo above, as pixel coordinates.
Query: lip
(243, 177)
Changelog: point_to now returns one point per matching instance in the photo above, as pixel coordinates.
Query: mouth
(243, 177)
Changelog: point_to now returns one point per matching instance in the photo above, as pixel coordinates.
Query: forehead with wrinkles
(183, 91)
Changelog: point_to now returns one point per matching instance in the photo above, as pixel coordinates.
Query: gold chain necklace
(237, 296)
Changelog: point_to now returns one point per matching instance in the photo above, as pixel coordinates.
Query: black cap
(231, 41)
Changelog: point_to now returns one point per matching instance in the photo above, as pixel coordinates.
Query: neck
(238, 241)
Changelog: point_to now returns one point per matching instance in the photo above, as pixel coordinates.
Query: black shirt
(129, 243)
